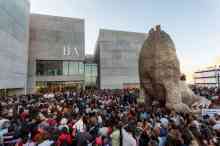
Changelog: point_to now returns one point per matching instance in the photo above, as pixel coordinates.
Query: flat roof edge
(125, 31)
(56, 16)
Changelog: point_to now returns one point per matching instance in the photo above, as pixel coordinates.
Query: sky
(194, 25)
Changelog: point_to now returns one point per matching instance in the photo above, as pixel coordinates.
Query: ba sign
(68, 51)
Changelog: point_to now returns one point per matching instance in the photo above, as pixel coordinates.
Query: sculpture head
(158, 64)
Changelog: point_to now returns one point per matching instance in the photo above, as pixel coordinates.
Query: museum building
(56, 53)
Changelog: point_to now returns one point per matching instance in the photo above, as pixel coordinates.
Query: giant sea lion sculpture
(159, 71)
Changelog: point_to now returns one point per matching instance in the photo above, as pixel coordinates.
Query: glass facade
(58, 68)
(90, 74)
(67, 68)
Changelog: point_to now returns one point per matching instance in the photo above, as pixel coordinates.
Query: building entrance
(57, 86)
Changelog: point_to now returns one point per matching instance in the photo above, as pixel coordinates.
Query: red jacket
(64, 137)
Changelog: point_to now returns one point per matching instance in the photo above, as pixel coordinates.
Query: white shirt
(99, 119)
(79, 125)
(46, 143)
(128, 139)
(30, 144)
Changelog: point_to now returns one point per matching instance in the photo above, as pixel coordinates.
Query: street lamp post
(217, 74)
(218, 78)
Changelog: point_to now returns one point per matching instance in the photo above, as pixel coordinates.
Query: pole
(218, 73)
(217, 77)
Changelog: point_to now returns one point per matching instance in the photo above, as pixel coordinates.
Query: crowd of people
(100, 118)
(211, 93)
(206, 91)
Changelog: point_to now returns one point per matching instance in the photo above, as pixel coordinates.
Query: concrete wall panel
(14, 31)
(118, 58)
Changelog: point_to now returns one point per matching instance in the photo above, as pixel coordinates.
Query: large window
(73, 68)
(58, 68)
(65, 68)
(90, 74)
(81, 68)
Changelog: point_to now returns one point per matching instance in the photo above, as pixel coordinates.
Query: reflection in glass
(73, 68)
(65, 68)
(81, 68)
(90, 74)
(58, 68)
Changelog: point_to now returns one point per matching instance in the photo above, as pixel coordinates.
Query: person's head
(65, 130)
(172, 112)
(152, 143)
(118, 125)
(212, 121)
(156, 130)
(217, 117)
(131, 127)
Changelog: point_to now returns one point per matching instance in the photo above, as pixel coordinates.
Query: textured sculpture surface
(159, 72)
(189, 98)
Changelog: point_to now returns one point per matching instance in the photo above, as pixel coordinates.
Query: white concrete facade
(14, 34)
(54, 38)
(117, 55)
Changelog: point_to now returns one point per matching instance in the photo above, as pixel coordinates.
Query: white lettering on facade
(68, 51)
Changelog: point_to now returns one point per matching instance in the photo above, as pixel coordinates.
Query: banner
(210, 112)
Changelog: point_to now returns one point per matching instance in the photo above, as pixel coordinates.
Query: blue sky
(194, 25)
